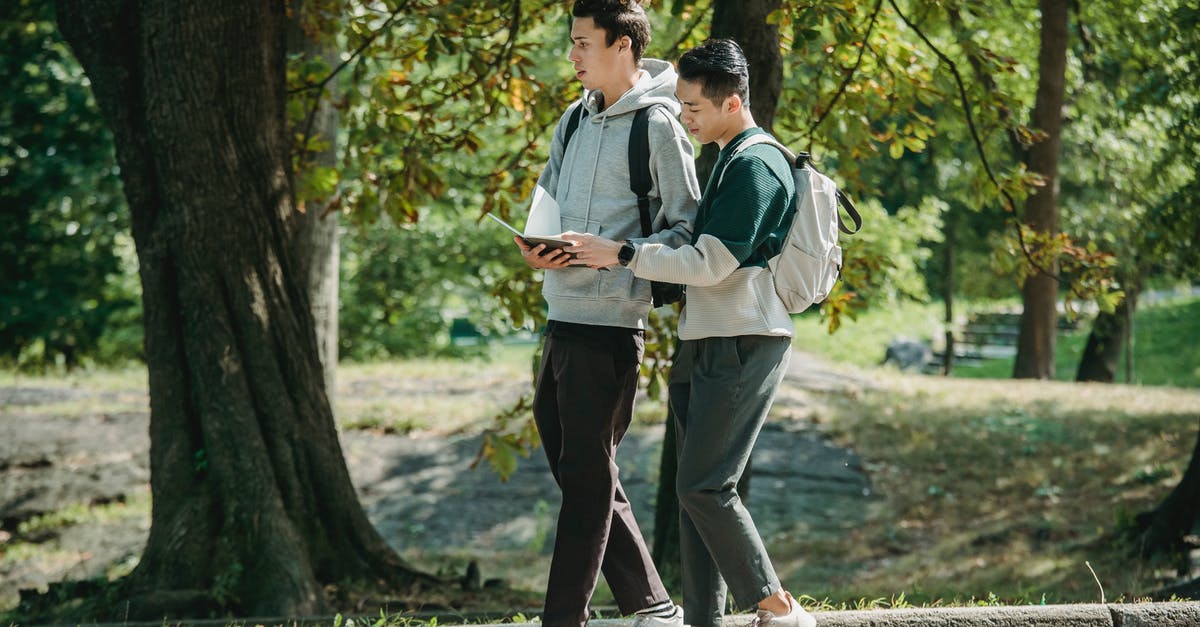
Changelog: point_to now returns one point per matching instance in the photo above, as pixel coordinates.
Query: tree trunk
(1162, 531)
(253, 509)
(1102, 354)
(666, 511)
(948, 290)
(317, 242)
(1039, 320)
(744, 21)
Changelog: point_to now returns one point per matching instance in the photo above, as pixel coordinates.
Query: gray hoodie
(590, 182)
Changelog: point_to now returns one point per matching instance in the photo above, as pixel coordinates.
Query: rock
(908, 354)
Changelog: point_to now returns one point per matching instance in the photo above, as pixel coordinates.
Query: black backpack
(639, 183)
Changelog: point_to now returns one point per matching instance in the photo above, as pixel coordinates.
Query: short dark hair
(719, 65)
(618, 18)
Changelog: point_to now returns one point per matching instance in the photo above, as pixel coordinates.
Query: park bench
(990, 335)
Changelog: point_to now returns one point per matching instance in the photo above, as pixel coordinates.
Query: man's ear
(733, 103)
(624, 43)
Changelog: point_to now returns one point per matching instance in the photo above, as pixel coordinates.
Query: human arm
(746, 207)
(675, 190)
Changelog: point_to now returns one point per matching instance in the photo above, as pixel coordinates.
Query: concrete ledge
(1156, 614)
(1095, 615)
(1010, 616)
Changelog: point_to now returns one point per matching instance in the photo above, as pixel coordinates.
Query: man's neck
(739, 123)
(613, 91)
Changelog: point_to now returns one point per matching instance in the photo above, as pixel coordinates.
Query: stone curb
(1096, 615)
(1093, 615)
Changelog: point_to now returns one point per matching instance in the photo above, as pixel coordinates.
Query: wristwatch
(625, 255)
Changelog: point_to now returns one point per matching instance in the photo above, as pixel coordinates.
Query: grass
(989, 491)
(1160, 330)
(863, 342)
(998, 488)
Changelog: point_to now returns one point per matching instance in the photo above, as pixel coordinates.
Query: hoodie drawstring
(587, 213)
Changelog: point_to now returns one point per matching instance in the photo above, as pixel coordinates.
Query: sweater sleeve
(748, 202)
(673, 172)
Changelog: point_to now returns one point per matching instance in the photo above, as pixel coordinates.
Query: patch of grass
(439, 396)
(863, 342)
(1001, 488)
(1165, 339)
(90, 379)
(137, 506)
(1160, 329)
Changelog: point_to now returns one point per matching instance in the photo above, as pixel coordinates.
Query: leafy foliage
(401, 283)
(66, 279)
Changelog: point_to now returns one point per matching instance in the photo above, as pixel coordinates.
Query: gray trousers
(720, 391)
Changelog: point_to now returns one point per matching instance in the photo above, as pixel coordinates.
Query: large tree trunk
(744, 21)
(1102, 355)
(253, 509)
(1163, 530)
(666, 511)
(317, 243)
(1039, 320)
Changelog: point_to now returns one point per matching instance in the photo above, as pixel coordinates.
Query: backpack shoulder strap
(850, 211)
(755, 140)
(639, 165)
(799, 161)
(577, 115)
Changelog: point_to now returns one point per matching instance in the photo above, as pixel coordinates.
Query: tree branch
(673, 51)
(846, 81)
(320, 85)
(1010, 204)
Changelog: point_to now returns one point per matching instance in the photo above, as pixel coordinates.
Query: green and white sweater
(739, 226)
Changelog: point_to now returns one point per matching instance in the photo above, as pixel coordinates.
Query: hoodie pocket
(574, 282)
(579, 225)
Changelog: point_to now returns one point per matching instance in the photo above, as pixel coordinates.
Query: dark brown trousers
(583, 406)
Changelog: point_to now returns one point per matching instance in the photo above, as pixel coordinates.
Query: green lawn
(997, 487)
(1166, 341)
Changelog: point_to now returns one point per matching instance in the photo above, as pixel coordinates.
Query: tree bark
(666, 511)
(253, 509)
(1039, 319)
(1102, 355)
(1163, 530)
(317, 241)
(949, 230)
(744, 21)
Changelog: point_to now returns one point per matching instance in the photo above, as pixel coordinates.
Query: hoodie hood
(655, 85)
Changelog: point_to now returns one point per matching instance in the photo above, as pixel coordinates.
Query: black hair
(618, 18)
(719, 65)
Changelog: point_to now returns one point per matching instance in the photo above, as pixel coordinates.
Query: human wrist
(626, 253)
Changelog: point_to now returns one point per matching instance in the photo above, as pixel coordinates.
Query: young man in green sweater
(735, 336)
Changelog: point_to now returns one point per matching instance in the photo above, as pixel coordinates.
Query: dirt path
(419, 491)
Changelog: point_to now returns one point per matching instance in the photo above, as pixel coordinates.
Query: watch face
(625, 255)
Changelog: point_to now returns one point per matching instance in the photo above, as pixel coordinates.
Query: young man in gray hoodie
(594, 337)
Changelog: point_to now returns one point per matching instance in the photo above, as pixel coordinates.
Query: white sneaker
(797, 617)
(650, 620)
